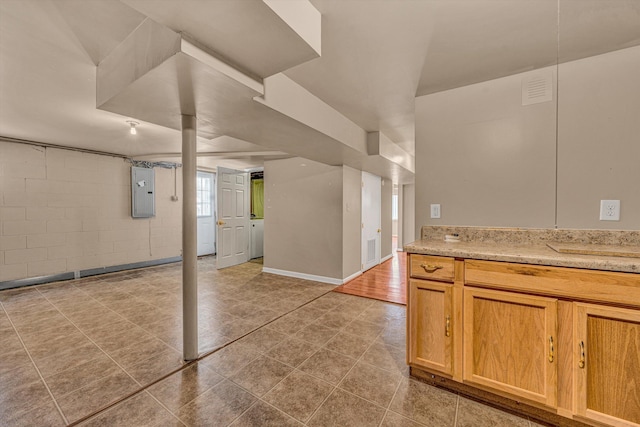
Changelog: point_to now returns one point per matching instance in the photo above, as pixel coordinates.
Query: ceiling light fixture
(133, 125)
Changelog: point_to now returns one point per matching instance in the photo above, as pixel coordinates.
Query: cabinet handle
(430, 268)
(447, 329)
(581, 361)
(550, 349)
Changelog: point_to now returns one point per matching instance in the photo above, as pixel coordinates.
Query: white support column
(189, 241)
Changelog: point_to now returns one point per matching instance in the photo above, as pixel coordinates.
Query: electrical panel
(143, 201)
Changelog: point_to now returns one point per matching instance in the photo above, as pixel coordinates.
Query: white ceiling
(377, 56)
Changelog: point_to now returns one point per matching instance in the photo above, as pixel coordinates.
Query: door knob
(221, 223)
(379, 230)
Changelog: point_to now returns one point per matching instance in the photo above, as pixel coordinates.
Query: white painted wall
(303, 217)
(484, 157)
(599, 139)
(312, 219)
(489, 161)
(401, 240)
(64, 211)
(351, 221)
(409, 230)
(386, 225)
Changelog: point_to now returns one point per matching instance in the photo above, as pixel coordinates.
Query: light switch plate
(435, 211)
(609, 210)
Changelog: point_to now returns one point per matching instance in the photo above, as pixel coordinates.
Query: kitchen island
(502, 316)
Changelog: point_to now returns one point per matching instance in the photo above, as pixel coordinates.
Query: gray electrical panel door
(143, 204)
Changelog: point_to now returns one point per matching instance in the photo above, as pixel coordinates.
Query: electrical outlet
(435, 211)
(609, 210)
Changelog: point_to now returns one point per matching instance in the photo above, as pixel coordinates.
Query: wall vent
(371, 250)
(537, 88)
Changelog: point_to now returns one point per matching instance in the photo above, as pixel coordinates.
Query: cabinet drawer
(586, 285)
(432, 267)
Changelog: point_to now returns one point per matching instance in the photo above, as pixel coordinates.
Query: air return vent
(537, 88)
(371, 250)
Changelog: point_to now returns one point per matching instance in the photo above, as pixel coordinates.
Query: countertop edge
(523, 254)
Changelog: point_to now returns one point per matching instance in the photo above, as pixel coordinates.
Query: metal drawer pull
(430, 268)
(447, 329)
(550, 349)
(581, 361)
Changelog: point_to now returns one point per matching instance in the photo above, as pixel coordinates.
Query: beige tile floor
(293, 353)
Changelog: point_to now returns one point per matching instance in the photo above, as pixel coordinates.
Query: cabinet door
(607, 364)
(510, 344)
(430, 325)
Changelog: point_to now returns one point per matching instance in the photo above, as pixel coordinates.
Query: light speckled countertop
(492, 248)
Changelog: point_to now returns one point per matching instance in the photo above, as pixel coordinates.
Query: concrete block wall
(65, 211)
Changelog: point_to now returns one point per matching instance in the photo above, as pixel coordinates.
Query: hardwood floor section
(386, 282)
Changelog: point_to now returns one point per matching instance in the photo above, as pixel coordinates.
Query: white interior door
(371, 212)
(233, 217)
(205, 183)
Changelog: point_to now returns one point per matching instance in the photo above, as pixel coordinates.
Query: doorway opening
(257, 216)
(205, 208)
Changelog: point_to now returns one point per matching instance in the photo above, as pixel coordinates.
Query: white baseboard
(386, 258)
(353, 276)
(323, 279)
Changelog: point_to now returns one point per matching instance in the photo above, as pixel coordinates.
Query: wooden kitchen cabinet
(434, 314)
(510, 343)
(430, 319)
(607, 364)
(562, 340)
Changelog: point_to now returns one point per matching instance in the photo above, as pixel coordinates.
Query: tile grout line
(100, 348)
(120, 315)
(128, 396)
(294, 369)
(455, 419)
(132, 394)
(261, 354)
(55, 402)
(391, 401)
(163, 405)
(265, 354)
(288, 336)
(258, 400)
(117, 313)
(315, 411)
(399, 374)
(184, 366)
(345, 375)
(360, 360)
(245, 411)
(280, 410)
(90, 339)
